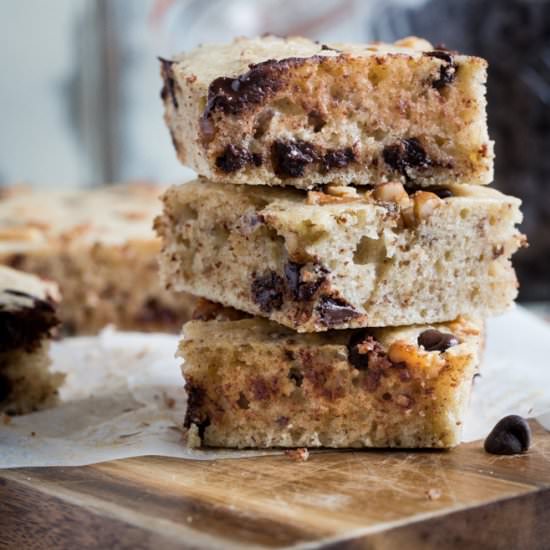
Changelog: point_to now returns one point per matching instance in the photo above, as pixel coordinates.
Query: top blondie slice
(273, 111)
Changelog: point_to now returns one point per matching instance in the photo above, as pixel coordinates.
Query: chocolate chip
(337, 158)
(267, 291)
(406, 153)
(303, 290)
(295, 374)
(169, 87)
(195, 414)
(510, 436)
(357, 356)
(290, 158)
(333, 311)
(201, 426)
(447, 71)
(434, 340)
(26, 322)
(243, 402)
(234, 158)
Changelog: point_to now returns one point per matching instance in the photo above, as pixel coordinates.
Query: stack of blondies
(342, 238)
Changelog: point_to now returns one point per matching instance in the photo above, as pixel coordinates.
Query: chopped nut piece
(424, 204)
(392, 192)
(317, 197)
(341, 191)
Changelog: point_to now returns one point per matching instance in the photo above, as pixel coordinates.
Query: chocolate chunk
(333, 311)
(290, 158)
(447, 71)
(169, 86)
(234, 158)
(303, 290)
(233, 95)
(296, 375)
(358, 355)
(24, 324)
(196, 396)
(407, 153)
(366, 354)
(202, 425)
(337, 158)
(267, 291)
(434, 340)
(510, 436)
(243, 402)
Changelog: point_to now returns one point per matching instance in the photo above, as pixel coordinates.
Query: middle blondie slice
(344, 257)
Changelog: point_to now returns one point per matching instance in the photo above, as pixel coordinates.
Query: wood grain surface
(464, 498)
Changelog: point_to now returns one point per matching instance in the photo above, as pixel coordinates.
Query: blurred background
(80, 86)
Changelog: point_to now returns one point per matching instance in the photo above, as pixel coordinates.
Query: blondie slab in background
(27, 317)
(344, 258)
(274, 111)
(253, 383)
(99, 246)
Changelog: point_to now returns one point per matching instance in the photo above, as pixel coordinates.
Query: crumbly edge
(26, 383)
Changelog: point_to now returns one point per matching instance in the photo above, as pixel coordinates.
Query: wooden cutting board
(464, 498)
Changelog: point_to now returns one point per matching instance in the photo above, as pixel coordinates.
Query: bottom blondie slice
(253, 383)
(27, 316)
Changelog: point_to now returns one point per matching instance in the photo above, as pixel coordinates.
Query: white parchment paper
(124, 396)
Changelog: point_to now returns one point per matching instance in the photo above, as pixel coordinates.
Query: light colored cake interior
(360, 261)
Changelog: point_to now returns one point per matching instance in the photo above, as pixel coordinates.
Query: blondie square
(253, 383)
(343, 257)
(274, 111)
(99, 246)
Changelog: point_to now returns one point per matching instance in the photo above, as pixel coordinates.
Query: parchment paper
(124, 396)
